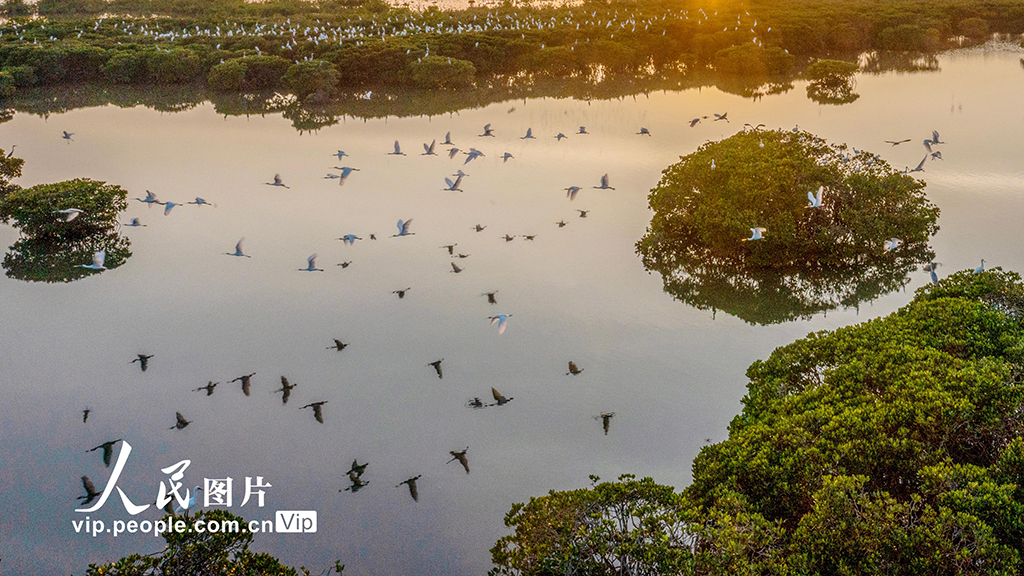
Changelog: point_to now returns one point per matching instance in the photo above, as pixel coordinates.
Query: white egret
(67, 135)
(816, 198)
(501, 320)
(349, 239)
(571, 192)
(200, 202)
(453, 186)
(891, 244)
(69, 213)
(604, 184)
(403, 228)
(981, 268)
(311, 265)
(488, 131)
(168, 206)
(98, 260)
(340, 154)
(447, 139)
(398, 150)
(756, 234)
(453, 152)
(428, 150)
(722, 117)
(238, 249)
(149, 199)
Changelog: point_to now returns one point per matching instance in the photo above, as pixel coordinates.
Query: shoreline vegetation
(340, 54)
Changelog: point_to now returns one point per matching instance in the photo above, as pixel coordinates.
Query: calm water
(673, 375)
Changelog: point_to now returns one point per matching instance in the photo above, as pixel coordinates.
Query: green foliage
(831, 81)
(433, 72)
(909, 37)
(10, 168)
(175, 66)
(200, 554)
(753, 60)
(811, 259)
(33, 209)
(47, 261)
(890, 447)
(264, 72)
(974, 28)
(16, 8)
(229, 76)
(626, 527)
(313, 78)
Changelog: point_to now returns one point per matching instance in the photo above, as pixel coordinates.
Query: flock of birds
(355, 474)
(305, 39)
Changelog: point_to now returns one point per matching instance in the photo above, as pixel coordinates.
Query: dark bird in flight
(357, 468)
(529, 236)
(345, 264)
(499, 400)
(245, 380)
(460, 255)
(583, 213)
(561, 223)
(401, 293)
(180, 422)
(475, 403)
(317, 410)
(455, 268)
(143, 360)
(85, 415)
(412, 487)
(338, 345)
(108, 450)
(357, 483)
(573, 369)
(606, 419)
(437, 367)
(286, 387)
(478, 228)
(209, 387)
(490, 297)
(90, 492)
(508, 238)
(451, 248)
(461, 457)
(897, 142)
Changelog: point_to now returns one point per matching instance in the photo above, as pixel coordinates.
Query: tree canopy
(810, 259)
(890, 447)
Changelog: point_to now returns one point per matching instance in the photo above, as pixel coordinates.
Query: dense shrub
(909, 37)
(310, 78)
(974, 28)
(176, 66)
(228, 76)
(33, 210)
(127, 67)
(753, 60)
(442, 72)
(264, 72)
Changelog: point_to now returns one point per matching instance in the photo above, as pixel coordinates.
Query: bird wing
(921, 165)
(502, 323)
(935, 136)
(604, 180)
(99, 257)
(405, 226)
(810, 196)
(458, 181)
(426, 148)
(312, 261)
(448, 181)
(397, 147)
(238, 247)
(497, 395)
(456, 268)
(487, 128)
(401, 227)
(179, 417)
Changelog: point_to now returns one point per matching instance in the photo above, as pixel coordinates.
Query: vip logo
(295, 521)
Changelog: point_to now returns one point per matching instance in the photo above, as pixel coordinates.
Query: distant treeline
(319, 50)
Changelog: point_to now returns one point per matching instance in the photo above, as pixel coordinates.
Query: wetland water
(673, 375)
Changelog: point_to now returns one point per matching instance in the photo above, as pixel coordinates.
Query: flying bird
(529, 135)
(69, 213)
(338, 345)
(67, 135)
(455, 268)
(644, 132)
(559, 136)
(490, 297)
(722, 117)
(606, 419)
(349, 239)
(311, 265)
(135, 223)
(98, 259)
(501, 320)
(398, 150)
(450, 248)
(168, 206)
(755, 234)
(317, 410)
(816, 198)
(437, 367)
(506, 156)
(573, 369)
(604, 184)
(411, 482)
(246, 382)
(108, 450)
(85, 415)
(357, 468)
(571, 192)
(149, 199)
(90, 492)
(891, 244)
(180, 422)
(583, 130)
(897, 142)
(200, 202)
(239, 249)
(401, 293)
(453, 186)
(277, 181)
(403, 228)
(208, 388)
(478, 228)
(499, 400)
(143, 360)
(583, 213)
(286, 387)
(488, 131)
(428, 150)
(447, 139)
(461, 457)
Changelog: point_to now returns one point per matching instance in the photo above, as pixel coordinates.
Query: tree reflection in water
(811, 260)
(36, 261)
